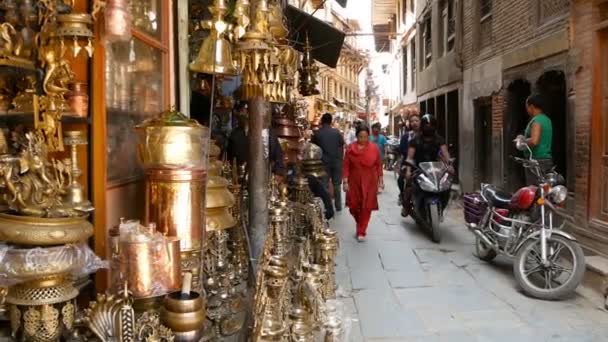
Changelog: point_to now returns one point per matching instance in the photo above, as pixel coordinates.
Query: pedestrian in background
(362, 176)
(331, 141)
(380, 140)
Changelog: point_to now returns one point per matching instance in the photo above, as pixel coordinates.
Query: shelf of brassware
(17, 118)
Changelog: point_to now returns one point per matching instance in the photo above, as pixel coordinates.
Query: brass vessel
(172, 140)
(184, 315)
(39, 231)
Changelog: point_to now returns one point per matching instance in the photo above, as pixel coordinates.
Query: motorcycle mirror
(520, 144)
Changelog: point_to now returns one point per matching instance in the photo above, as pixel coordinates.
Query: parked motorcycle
(522, 226)
(431, 195)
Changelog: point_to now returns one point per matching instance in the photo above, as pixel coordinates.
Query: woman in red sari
(362, 175)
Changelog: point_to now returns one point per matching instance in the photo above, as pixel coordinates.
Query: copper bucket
(175, 201)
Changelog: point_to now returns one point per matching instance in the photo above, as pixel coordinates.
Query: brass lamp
(214, 56)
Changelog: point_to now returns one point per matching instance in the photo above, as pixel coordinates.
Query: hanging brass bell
(214, 57)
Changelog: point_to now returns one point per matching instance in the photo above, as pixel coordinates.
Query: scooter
(548, 262)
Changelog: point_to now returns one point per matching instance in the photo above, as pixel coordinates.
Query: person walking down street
(539, 136)
(331, 141)
(378, 138)
(362, 176)
(350, 135)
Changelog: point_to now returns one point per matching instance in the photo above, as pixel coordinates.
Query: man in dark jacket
(331, 141)
(238, 144)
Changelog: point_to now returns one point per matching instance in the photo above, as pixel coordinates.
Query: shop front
(124, 219)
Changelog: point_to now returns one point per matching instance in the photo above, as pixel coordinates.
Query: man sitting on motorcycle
(406, 138)
(428, 146)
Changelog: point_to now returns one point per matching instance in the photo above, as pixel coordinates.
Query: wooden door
(599, 133)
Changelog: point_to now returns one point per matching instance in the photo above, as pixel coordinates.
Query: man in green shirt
(538, 136)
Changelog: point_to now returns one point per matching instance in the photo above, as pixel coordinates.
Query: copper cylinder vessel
(138, 260)
(78, 99)
(171, 269)
(175, 202)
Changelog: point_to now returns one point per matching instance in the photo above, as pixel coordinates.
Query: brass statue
(35, 186)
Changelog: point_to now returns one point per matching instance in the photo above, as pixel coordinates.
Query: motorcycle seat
(498, 198)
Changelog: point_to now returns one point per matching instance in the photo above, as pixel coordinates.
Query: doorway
(552, 86)
(515, 122)
(483, 140)
(452, 122)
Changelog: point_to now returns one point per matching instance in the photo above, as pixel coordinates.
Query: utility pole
(368, 95)
(259, 177)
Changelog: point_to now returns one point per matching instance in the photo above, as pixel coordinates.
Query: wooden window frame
(99, 122)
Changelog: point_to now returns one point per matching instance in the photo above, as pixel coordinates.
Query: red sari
(363, 169)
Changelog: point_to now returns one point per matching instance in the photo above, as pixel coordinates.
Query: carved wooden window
(427, 42)
(549, 9)
(485, 23)
(405, 69)
(413, 54)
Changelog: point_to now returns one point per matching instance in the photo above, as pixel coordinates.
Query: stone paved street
(400, 286)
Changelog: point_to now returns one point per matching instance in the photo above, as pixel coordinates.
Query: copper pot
(175, 202)
(287, 131)
(140, 259)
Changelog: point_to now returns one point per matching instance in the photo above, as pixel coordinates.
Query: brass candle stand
(76, 195)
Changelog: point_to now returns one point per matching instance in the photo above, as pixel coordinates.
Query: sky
(359, 10)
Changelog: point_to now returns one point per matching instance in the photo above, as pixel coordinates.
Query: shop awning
(326, 40)
(339, 102)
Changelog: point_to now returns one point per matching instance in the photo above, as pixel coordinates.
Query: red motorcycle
(548, 262)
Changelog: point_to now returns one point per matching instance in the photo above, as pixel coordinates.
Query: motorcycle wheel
(484, 252)
(547, 282)
(434, 222)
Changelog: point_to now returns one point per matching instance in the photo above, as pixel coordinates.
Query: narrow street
(400, 286)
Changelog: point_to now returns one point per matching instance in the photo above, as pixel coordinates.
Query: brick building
(511, 49)
(554, 47)
(439, 65)
(589, 55)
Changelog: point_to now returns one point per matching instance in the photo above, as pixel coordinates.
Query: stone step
(595, 283)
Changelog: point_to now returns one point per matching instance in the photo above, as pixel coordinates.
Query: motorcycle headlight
(558, 194)
(426, 184)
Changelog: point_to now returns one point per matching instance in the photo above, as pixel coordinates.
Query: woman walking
(362, 175)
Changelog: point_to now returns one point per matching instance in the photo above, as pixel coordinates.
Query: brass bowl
(183, 322)
(218, 219)
(40, 231)
(174, 304)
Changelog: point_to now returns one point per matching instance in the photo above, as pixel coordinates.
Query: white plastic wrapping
(19, 265)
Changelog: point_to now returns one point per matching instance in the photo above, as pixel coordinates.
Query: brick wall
(498, 108)
(582, 20)
(514, 24)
